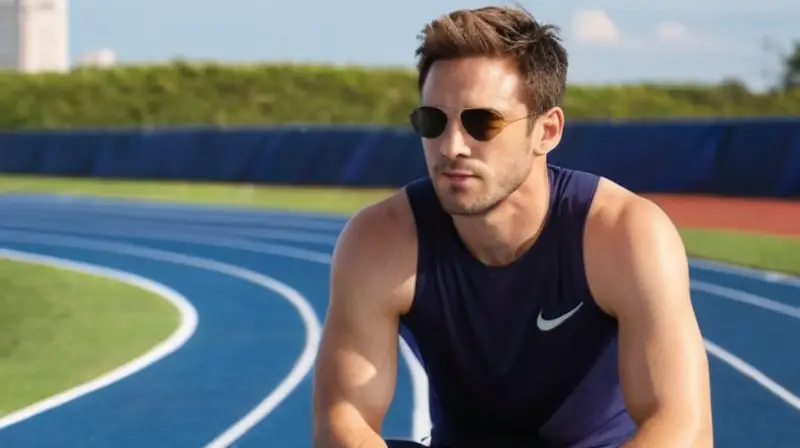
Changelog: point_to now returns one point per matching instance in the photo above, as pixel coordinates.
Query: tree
(791, 69)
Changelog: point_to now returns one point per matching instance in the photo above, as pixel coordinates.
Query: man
(550, 307)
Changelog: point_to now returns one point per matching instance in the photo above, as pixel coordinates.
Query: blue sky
(610, 41)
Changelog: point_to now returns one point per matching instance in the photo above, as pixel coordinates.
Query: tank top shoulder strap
(427, 210)
(573, 192)
(429, 221)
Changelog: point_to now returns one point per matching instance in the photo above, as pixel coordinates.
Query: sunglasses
(480, 123)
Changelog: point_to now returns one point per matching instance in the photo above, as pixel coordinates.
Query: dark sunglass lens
(428, 122)
(482, 124)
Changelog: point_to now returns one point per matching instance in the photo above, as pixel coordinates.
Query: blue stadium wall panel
(745, 157)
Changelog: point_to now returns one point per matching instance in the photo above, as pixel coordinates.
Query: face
(472, 175)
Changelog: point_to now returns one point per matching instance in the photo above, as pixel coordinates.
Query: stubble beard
(458, 201)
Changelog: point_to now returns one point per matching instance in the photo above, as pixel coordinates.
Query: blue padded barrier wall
(292, 155)
(744, 157)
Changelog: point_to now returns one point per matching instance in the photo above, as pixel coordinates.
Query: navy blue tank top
(518, 355)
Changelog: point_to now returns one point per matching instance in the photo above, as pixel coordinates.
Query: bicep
(663, 364)
(356, 363)
(357, 360)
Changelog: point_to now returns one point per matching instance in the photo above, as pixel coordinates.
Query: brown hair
(499, 31)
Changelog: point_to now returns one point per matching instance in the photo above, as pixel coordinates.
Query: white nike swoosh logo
(549, 324)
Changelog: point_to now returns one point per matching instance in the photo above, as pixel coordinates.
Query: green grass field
(61, 328)
(54, 320)
(768, 252)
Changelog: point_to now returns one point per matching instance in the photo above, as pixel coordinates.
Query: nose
(453, 144)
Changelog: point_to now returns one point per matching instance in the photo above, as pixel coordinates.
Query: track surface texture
(767, 216)
(252, 288)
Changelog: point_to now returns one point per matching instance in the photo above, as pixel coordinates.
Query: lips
(458, 177)
(457, 174)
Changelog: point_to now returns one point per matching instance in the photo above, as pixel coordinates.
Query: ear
(550, 127)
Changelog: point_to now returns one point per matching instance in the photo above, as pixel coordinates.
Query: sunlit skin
(498, 194)
(496, 190)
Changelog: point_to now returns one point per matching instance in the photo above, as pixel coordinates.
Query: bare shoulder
(631, 243)
(376, 253)
(371, 285)
(623, 213)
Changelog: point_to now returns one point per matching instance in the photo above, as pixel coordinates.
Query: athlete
(549, 307)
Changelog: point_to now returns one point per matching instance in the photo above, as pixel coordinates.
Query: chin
(463, 198)
(465, 206)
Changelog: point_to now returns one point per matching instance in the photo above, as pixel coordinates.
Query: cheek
(506, 162)
(504, 150)
(430, 151)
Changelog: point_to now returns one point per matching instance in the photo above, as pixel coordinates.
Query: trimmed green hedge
(189, 94)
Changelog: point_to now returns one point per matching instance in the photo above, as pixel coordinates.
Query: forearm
(346, 431)
(676, 431)
(354, 439)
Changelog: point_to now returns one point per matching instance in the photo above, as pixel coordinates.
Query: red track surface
(752, 215)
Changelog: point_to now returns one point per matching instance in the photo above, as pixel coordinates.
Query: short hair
(505, 32)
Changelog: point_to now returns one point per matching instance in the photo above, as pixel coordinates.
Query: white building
(34, 35)
(100, 59)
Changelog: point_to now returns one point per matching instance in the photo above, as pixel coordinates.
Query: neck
(506, 232)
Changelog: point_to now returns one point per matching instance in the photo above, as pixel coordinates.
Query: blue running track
(258, 283)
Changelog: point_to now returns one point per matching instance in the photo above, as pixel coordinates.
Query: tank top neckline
(542, 239)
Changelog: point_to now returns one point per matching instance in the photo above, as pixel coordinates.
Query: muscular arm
(356, 365)
(641, 277)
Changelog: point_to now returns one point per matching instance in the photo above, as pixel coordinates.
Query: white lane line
(734, 361)
(754, 374)
(419, 378)
(188, 324)
(299, 370)
(169, 234)
(421, 414)
(767, 276)
(169, 211)
(747, 298)
(421, 425)
(327, 239)
(421, 419)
